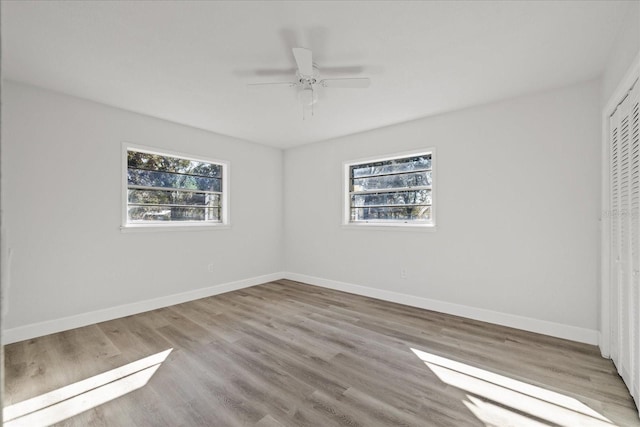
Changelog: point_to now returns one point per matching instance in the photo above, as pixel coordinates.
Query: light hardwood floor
(290, 354)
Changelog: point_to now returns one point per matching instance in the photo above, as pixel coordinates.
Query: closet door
(625, 239)
(634, 290)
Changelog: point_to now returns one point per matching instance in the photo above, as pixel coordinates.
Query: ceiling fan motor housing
(307, 81)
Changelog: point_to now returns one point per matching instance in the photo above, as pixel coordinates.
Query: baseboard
(603, 343)
(558, 330)
(520, 322)
(58, 325)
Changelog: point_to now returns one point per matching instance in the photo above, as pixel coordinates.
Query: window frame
(172, 225)
(389, 224)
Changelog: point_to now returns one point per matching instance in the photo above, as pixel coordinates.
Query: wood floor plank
(289, 354)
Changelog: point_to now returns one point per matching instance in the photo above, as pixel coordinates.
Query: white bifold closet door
(624, 167)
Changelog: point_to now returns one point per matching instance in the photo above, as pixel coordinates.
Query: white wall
(61, 164)
(518, 207)
(518, 187)
(623, 52)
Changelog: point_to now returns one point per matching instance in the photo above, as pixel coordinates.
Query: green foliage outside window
(168, 188)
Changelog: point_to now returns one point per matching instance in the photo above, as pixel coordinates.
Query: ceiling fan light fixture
(307, 97)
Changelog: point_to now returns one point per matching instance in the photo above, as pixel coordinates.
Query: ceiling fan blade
(355, 82)
(290, 84)
(353, 69)
(304, 59)
(275, 72)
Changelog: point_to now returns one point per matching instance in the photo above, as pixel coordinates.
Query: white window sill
(399, 226)
(136, 228)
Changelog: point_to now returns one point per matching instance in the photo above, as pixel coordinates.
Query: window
(393, 190)
(171, 189)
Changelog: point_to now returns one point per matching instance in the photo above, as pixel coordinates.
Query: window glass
(391, 190)
(164, 188)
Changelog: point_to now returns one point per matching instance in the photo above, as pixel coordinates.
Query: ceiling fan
(308, 80)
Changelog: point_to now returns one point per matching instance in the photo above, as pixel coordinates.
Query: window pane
(392, 181)
(172, 180)
(156, 162)
(390, 166)
(168, 213)
(414, 213)
(400, 198)
(173, 197)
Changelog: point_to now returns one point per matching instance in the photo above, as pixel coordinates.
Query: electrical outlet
(211, 267)
(403, 273)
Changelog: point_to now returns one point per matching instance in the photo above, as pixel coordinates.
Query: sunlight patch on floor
(499, 400)
(495, 415)
(70, 400)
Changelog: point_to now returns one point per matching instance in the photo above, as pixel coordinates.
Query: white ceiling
(190, 62)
